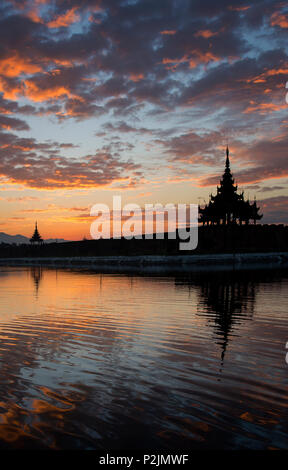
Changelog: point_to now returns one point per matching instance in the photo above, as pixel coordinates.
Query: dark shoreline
(184, 263)
(225, 247)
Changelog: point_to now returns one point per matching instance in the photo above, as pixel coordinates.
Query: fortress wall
(211, 239)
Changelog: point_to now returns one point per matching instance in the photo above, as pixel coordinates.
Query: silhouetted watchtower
(36, 237)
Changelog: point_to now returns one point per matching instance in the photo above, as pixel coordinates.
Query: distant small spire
(36, 237)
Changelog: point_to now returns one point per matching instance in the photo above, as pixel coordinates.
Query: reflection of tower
(230, 297)
(36, 274)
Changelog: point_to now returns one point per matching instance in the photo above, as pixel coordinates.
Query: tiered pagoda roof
(36, 237)
(227, 206)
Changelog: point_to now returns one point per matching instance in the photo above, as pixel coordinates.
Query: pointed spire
(227, 157)
(36, 237)
(227, 206)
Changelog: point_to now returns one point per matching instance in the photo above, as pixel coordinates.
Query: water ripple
(95, 361)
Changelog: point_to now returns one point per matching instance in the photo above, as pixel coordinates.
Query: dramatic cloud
(23, 161)
(158, 88)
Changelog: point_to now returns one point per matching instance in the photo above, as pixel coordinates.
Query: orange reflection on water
(88, 357)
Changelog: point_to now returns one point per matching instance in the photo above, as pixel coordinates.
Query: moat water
(111, 361)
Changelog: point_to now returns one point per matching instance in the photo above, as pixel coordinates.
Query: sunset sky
(138, 99)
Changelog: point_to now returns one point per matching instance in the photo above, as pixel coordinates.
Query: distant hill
(19, 239)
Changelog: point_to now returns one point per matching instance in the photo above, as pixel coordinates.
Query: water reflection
(36, 274)
(226, 299)
(111, 361)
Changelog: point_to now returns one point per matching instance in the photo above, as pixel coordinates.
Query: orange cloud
(280, 71)
(33, 14)
(174, 62)
(170, 32)
(197, 57)
(64, 20)
(136, 77)
(202, 58)
(205, 33)
(264, 108)
(268, 73)
(5, 111)
(279, 20)
(15, 65)
(19, 147)
(234, 8)
(38, 94)
(9, 91)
